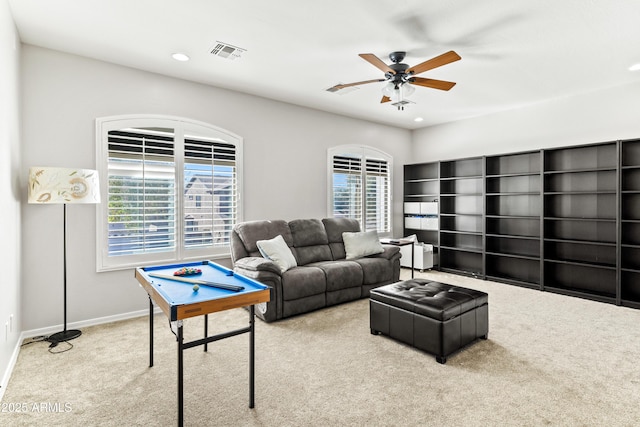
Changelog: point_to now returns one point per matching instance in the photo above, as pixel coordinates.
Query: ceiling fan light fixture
(397, 91)
(389, 89)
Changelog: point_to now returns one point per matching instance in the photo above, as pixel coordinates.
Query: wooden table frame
(177, 313)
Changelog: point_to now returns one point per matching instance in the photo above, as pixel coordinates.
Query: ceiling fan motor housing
(400, 76)
(397, 56)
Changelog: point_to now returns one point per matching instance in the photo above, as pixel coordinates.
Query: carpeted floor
(549, 360)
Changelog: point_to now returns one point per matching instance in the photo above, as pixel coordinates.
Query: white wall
(284, 163)
(588, 118)
(10, 191)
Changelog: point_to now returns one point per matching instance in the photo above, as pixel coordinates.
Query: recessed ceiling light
(418, 119)
(180, 57)
(635, 67)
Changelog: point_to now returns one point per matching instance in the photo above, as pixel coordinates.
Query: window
(170, 190)
(360, 186)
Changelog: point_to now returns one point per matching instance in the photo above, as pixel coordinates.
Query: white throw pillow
(276, 250)
(361, 244)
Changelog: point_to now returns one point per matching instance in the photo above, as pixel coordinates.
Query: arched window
(359, 183)
(170, 190)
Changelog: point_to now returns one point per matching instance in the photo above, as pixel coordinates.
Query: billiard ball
(195, 288)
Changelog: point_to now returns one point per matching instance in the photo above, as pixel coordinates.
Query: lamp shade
(63, 185)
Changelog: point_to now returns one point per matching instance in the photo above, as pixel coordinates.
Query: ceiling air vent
(226, 50)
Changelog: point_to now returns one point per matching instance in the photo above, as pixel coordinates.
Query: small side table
(402, 242)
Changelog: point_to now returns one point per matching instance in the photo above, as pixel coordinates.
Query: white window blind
(210, 205)
(141, 191)
(347, 187)
(172, 190)
(360, 186)
(377, 195)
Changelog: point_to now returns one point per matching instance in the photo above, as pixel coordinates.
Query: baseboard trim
(12, 362)
(53, 329)
(86, 323)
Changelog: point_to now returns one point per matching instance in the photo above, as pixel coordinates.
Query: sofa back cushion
(334, 228)
(310, 241)
(252, 231)
(277, 251)
(361, 244)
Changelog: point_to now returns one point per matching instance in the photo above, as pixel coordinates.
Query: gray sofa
(322, 277)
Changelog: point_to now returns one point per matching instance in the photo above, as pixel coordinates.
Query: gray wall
(588, 118)
(10, 191)
(285, 152)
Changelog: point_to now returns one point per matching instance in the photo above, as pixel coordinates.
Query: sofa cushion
(361, 244)
(252, 231)
(276, 250)
(341, 274)
(375, 270)
(310, 241)
(334, 228)
(300, 282)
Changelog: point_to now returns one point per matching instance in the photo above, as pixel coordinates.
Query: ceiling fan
(401, 77)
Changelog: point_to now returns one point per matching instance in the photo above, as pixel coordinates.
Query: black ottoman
(432, 316)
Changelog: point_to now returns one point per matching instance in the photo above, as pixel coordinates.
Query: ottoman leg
(374, 332)
(441, 359)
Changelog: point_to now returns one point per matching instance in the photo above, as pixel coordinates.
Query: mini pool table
(178, 300)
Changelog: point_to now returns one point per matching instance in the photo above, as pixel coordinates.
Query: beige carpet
(549, 360)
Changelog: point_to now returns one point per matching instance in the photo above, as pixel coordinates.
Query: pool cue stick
(233, 288)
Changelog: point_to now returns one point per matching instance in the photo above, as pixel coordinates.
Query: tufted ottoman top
(436, 300)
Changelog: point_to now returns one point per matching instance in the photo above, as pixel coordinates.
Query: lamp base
(64, 335)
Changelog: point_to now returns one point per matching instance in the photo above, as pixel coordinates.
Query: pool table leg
(252, 341)
(206, 331)
(150, 332)
(180, 376)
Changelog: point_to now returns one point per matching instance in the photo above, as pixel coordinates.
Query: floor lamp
(49, 185)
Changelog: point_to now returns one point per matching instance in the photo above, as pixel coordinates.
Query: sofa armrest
(257, 264)
(390, 252)
(267, 273)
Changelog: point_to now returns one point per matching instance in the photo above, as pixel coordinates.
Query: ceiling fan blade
(342, 86)
(376, 62)
(434, 84)
(385, 99)
(438, 61)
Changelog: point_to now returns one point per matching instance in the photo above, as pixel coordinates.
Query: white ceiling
(514, 52)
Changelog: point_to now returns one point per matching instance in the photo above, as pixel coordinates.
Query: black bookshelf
(630, 224)
(421, 185)
(580, 217)
(512, 215)
(564, 220)
(461, 216)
